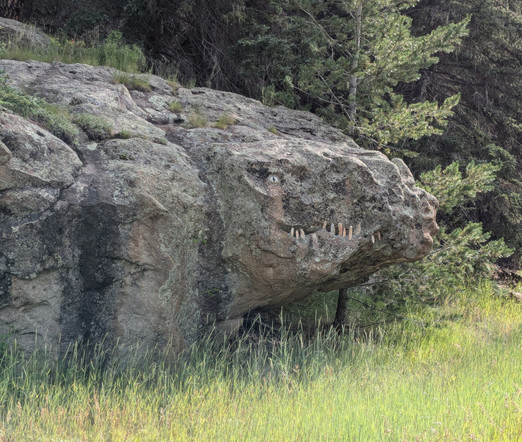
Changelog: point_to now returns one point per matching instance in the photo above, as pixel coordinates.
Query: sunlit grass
(111, 52)
(452, 372)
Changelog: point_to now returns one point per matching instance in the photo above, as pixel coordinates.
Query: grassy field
(451, 372)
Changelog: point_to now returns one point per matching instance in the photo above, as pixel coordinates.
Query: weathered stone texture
(149, 239)
(14, 32)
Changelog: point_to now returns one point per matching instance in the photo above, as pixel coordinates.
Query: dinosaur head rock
(301, 217)
(155, 229)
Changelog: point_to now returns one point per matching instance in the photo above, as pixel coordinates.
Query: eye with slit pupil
(273, 179)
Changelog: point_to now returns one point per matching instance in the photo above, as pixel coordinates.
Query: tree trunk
(340, 313)
(353, 80)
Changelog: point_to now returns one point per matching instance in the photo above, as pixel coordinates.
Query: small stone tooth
(358, 230)
(378, 236)
(350, 232)
(302, 233)
(332, 228)
(340, 228)
(315, 241)
(297, 234)
(324, 225)
(373, 239)
(292, 231)
(344, 232)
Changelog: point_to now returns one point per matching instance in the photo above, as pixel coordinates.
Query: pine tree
(345, 58)
(487, 125)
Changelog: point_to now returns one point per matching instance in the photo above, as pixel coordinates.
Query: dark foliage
(487, 126)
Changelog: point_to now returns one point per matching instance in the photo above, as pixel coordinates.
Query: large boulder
(180, 220)
(16, 33)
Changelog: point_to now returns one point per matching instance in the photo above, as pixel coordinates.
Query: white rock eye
(273, 179)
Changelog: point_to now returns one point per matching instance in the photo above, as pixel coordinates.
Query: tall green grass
(111, 52)
(452, 372)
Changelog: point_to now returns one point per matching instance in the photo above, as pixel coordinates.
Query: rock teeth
(373, 239)
(297, 234)
(324, 225)
(378, 236)
(292, 231)
(344, 232)
(350, 232)
(340, 228)
(358, 230)
(332, 228)
(302, 233)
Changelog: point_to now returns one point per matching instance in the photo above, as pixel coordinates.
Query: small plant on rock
(95, 127)
(160, 140)
(174, 85)
(54, 118)
(175, 106)
(132, 82)
(190, 84)
(224, 121)
(125, 134)
(197, 120)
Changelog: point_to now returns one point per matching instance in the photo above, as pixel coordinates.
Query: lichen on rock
(151, 237)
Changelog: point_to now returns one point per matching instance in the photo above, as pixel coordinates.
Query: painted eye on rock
(273, 179)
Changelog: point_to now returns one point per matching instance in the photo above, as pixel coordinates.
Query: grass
(110, 52)
(453, 372)
(173, 83)
(54, 118)
(224, 121)
(96, 127)
(132, 81)
(175, 107)
(197, 120)
(190, 83)
(160, 140)
(125, 134)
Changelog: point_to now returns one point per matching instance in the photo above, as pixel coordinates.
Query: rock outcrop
(14, 32)
(195, 207)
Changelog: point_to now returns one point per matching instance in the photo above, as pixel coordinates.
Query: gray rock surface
(150, 236)
(14, 32)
